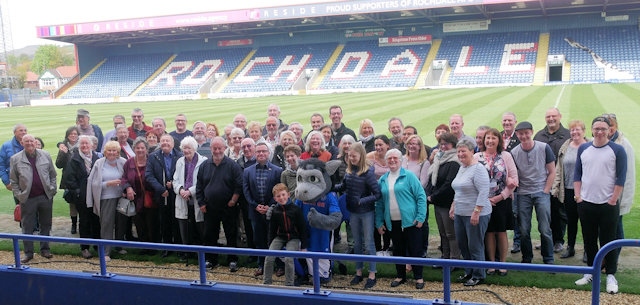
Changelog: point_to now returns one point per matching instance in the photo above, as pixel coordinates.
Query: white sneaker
(612, 284)
(122, 252)
(586, 279)
(380, 253)
(388, 253)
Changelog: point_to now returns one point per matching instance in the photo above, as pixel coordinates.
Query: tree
(48, 57)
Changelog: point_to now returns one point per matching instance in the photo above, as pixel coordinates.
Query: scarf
(87, 161)
(441, 158)
(365, 140)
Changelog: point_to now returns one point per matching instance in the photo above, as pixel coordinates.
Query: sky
(25, 15)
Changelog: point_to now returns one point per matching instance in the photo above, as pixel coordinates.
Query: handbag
(148, 199)
(17, 214)
(126, 207)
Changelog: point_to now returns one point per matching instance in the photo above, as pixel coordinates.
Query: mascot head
(314, 179)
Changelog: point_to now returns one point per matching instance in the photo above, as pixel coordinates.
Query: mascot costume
(319, 207)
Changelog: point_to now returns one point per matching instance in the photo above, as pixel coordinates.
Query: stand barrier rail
(316, 256)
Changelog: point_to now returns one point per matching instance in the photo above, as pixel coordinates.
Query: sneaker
(558, 247)
(612, 284)
(515, 248)
(380, 253)
(233, 266)
(388, 253)
(107, 258)
(372, 282)
(538, 246)
(86, 254)
(586, 279)
(122, 252)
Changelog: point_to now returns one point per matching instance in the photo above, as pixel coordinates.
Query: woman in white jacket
(190, 218)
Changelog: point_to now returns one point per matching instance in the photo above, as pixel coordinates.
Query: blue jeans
(362, 226)
(471, 241)
(542, 203)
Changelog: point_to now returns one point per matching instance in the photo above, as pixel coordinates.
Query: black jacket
(442, 193)
(154, 172)
(287, 222)
(75, 175)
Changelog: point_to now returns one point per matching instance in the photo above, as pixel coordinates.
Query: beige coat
(21, 174)
(94, 183)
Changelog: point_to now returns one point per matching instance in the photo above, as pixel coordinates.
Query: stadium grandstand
(336, 46)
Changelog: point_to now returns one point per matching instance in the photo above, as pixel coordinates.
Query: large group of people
(185, 183)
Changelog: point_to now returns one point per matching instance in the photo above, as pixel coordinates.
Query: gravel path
(491, 294)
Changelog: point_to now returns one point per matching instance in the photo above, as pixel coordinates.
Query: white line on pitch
(559, 96)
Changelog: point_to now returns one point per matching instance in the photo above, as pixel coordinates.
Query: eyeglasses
(445, 144)
(600, 129)
(136, 116)
(271, 125)
(609, 115)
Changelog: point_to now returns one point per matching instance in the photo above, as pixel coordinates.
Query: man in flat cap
(536, 170)
(82, 121)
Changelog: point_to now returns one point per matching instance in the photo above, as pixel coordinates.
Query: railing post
(316, 280)
(16, 255)
(103, 264)
(202, 268)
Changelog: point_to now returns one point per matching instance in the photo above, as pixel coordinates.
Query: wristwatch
(477, 210)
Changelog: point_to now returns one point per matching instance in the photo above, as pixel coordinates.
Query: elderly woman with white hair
(401, 212)
(315, 147)
(470, 210)
(190, 217)
(234, 151)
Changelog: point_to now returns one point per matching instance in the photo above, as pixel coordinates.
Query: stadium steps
(236, 71)
(566, 71)
(328, 66)
(447, 74)
(81, 79)
(541, 61)
(422, 78)
(154, 75)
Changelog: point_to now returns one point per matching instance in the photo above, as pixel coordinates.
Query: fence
(316, 256)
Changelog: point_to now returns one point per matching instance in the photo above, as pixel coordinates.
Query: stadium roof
(336, 15)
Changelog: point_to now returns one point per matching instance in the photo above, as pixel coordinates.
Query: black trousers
(407, 242)
(599, 222)
(212, 219)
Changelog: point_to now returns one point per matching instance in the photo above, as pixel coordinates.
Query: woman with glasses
(234, 151)
(563, 182)
(440, 193)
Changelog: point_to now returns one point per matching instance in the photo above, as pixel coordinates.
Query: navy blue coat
(154, 174)
(250, 189)
(361, 191)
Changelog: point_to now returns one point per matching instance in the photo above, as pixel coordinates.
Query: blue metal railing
(447, 264)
